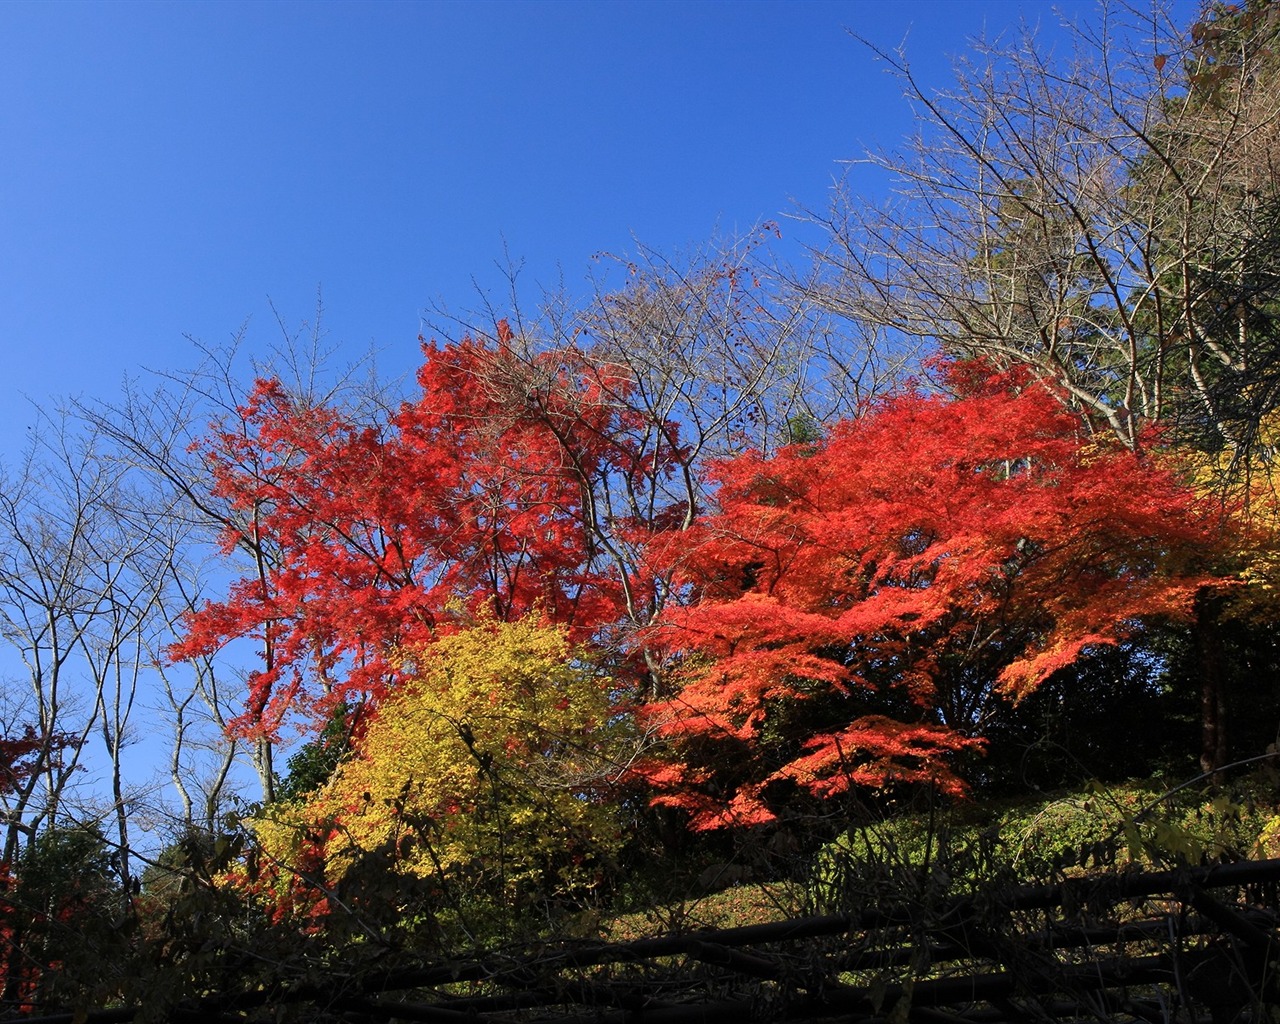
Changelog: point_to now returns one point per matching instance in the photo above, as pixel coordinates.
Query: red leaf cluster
(485, 492)
(863, 604)
(18, 756)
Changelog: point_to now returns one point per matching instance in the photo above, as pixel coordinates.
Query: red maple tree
(491, 489)
(864, 604)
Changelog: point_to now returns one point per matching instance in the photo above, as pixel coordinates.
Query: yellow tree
(486, 773)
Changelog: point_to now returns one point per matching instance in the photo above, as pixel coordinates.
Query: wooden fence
(1193, 945)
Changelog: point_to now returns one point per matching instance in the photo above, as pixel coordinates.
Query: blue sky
(169, 168)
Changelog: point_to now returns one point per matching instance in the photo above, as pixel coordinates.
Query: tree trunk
(1213, 698)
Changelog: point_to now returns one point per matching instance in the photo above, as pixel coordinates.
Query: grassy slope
(1067, 833)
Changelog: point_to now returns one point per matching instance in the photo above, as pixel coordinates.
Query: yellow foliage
(1269, 839)
(1249, 487)
(489, 768)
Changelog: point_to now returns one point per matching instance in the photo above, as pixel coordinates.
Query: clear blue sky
(168, 167)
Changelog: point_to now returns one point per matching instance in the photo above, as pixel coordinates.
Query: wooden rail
(1192, 945)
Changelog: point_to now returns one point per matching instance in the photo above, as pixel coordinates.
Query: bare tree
(118, 649)
(79, 588)
(1106, 215)
(153, 431)
(197, 708)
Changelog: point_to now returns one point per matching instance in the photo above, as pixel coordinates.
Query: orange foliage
(863, 604)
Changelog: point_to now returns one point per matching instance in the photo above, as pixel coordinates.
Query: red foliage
(16, 760)
(19, 975)
(863, 604)
(19, 972)
(485, 491)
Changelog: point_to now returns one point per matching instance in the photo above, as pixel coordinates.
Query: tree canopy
(491, 768)
(865, 604)
(508, 485)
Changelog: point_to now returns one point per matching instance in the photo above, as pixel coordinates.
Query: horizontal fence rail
(1199, 944)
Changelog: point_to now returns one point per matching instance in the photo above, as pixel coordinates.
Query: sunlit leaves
(492, 763)
(483, 494)
(929, 559)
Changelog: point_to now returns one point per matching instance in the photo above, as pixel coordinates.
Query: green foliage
(313, 765)
(964, 847)
(60, 862)
(802, 428)
(66, 921)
